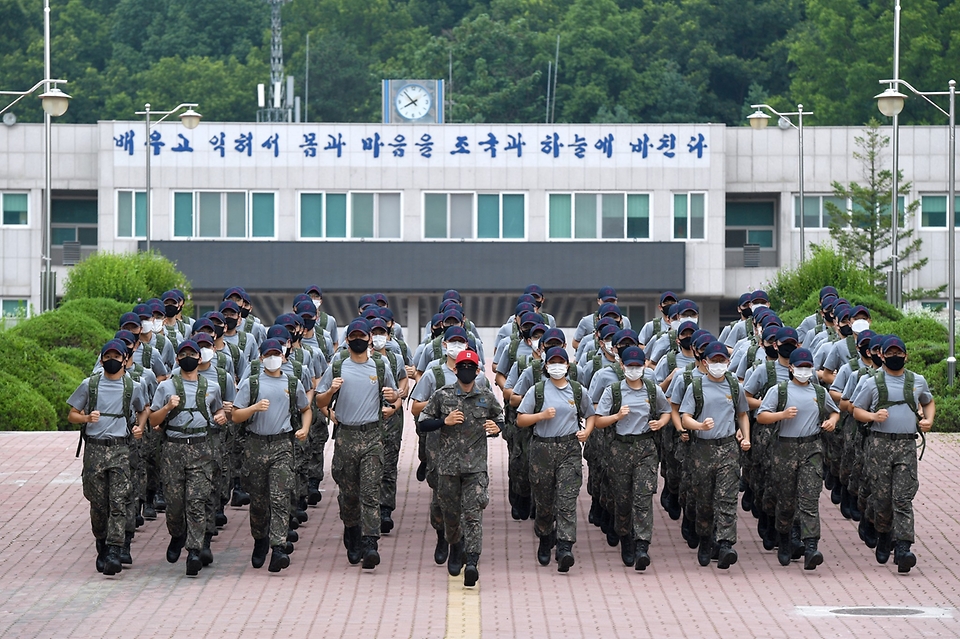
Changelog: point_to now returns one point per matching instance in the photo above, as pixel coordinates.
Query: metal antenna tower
(279, 107)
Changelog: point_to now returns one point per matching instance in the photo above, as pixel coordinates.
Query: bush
(106, 311)
(54, 380)
(64, 328)
(23, 408)
(82, 360)
(124, 277)
(793, 287)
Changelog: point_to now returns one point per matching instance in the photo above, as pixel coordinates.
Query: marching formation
(185, 416)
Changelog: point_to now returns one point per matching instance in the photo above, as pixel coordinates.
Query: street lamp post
(759, 120)
(189, 118)
(890, 103)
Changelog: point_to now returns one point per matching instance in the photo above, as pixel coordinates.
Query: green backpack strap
(172, 334)
(597, 360)
(254, 370)
(617, 398)
(651, 395)
(439, 379)
(147, 357)
(618, 371)
(248, 324)
(883, 397)
(438, 347)
(671, 360)
(522, 362)
(752, 354)
(782, 396)
(235, 356)
(136, 373)
(161, 343)
(222, 381)
(771, 376)
(657, 327)
(296, 417)
(297, 369)
(578, 399)
(322, 320)
(200, 400)
(537, 366)
(512, 351)
(697, 384)
(404, 349)
(93, 396)
(242, 341)
(538, 396)
(674, 344)
(734, 384)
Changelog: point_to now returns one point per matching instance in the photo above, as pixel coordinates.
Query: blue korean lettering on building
(125, 141)
(244, 144)
(309, 145)
(373, 144)
(183, 146)
(462, 146)
(218, 142)
(425, 145)
(272, 143)
(335, 144)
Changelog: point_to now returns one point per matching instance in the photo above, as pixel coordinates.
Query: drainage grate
(916, 612)
(877, 612)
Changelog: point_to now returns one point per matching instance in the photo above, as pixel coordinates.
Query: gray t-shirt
(229, 389)
(808, 324)
(678, 386)
(156, 361)
(276, 419)
(638, 420)
(758, 378)
(249, 348)
(838, 355)
(587, 325)
(562, 399)
(804, 397)
(189, 416)
(647, 331)
(167, 353)
(428, 383)
(718, 404)
(736, 333)
(359, 400)
(586, 372)
(900, 419)
(663, 370)
(502, 362)
(240, 366)
(109, 401)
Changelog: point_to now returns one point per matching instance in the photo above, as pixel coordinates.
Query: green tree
(343, 86)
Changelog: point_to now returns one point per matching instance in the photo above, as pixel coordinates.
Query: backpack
(404, 349)
(658, 328)
(136, 373)
(146, 358)
(247, 324)
(93, 391)
(909, 398)
(235, 354)
(255, 369)
(295, 414)
(200, 400)
(337, 367)
(771, 367)
(618, 396)
(242, 341)
(172, 334)
(782, 397)
(439, 378)
(697, 383)
(538, 393)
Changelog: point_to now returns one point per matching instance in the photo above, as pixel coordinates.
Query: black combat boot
(594, 515)
(705, 551)
(727, 556)
(294, 523)
(470, 572)
(643, 556)
(855, 513)
(386, 520)
(260, 548)
(422, 471)
(688, 530)
(292, 536)
(675, 511)
(845, 503)
(903, 557)
(371, 558)
(835, 492)
(287, 547)
(194, 563)
(812, 557)
(313, 491)
(174, 548)
(125, 558)
(784, 551)
(883, 547)
(111, 561)
(564, 556)
(159, 501)
(219, 518)
(796, 544)
(149, 510)
(868, 534)
(746, 502)
(665, 498)
(827, 479)
(101, 554)
(206, 553)
(240, 496)
(628, 551)
(278, 560)
(455, 560)
(139, 518)
(547, 542)
(442, 551)
(351, 541)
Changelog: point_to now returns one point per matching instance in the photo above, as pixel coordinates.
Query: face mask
(665, 311)
(206, 354)
(525, 333)
(785, 350)
(309, 323)
(876, 360)
(803, 375)
(717, 369)
(895, 362)
(244, 312)
(379, 341)
(466, 374)
(771, 351)
(188, 364)
(828, 318)
(747, 312)
(231, 322)
(685, 342)
(171, 310)
(608, 345)
(695, 319)
(112, 366)
(623, 347)
(218, 330)
(455, 348)
(358, 345)
(846, 331)
(535, 343)
(760, 305)
(860, 325)
(633, 373)
(317, 303)
(272, 363)
(146, 326)
(864, 353)
(557, 371)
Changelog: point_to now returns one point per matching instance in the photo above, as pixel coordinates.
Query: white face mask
(608, 345)
(557, 371)
(206, 354)
(455, 348)
(535, 343)
(146, 326)
(158, 326)
(695, 319)
(803, 375)
(272, 363)
(633, 373)
(379, 341)
(717, 369)
(757, 305)
(860, 325)
(317, 303)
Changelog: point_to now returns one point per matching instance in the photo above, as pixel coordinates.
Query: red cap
(468, 356)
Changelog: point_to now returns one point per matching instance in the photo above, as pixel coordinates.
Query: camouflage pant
(891, 467)
(318, 438)
(187, 474)
(832, 451)
(150, 447)
(685, 495)
(137, 486)
(436, 512)
(633, 473)
(556, 475)
(235, 443)
(107, 486)
(669, 464)
(797, 471)
(859, 482)
(848, 429)
(715, 478)
(217, 439)
(519, 468)
(267, 473)
(463, 499)
(358, 471)
(596, 452)
(762, 439)
(301, 463)
(392, 436)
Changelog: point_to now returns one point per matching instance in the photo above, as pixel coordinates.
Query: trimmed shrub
(124, 277)
(23, 408)
(825, 267)
(64, 329)
(82, 360)
(29, 362)
(106, 311)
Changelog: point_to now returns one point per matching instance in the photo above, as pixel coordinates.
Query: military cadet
(814, 322)
(658, 325)
(361, 383)
(105, 404)
(741, 327)
(638, 409)
(327, 322)
(605, 356)
(249, 324)
(801, 409)
(465, 415)
(183, 408)
(154, 335)
(898, 402)
(175, 329)
(555, 408)
(232, 335)
(143, 354)
(511, 328)
(586, 325)
(714, 406)
(684, 311)
(274, 407)
(536, 292)
(859, 481)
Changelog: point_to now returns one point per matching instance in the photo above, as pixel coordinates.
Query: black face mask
(218, 330)
(846, 331)
(244, 312)
(309, 324)
(231, 322)
(771, 351)
(895, 362)
(623, 347)
(876, 360)
(864, 353)
(746, 312)
(171, 310)
(188, 364)
(358, 345)
(466, 374)
(685, 342)
(665, 310)
(437, 332)
(828, 318)
(785, 350)
(112, 366)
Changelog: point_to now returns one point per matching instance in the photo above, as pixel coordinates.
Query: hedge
(125, 277)
(104, 310)
(64, 329)
(81, 359)
(54, 380)
(22, 407)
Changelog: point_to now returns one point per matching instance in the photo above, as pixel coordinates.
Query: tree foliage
(129, 278)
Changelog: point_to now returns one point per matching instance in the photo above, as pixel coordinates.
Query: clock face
(413, 102)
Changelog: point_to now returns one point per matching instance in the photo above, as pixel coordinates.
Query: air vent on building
(751, 255)
(71, 253)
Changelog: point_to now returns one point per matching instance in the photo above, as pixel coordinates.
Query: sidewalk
(50, 588)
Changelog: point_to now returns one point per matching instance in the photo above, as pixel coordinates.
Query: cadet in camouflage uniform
(362, 384)
(887, 401)
(183, 408)
(802, 410)
(106, 471)
(718, 400)
(269, 403)
(556, 460)
(465, 416)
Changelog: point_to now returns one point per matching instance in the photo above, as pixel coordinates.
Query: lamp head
(890, 102)
(55, 102)
(758, 119)
(190, 118)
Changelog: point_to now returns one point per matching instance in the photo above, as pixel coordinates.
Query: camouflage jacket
(462, 449)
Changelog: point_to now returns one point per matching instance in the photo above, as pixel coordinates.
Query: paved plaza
(50, 588)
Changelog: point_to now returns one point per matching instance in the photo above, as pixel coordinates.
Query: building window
(73, 221)
(224, 215)
(608, 216)
(816, 214)
(350, 215)
(750, 223)
(14, 308)
(933, 211)
(131, 214)
(474, 216)
(16, 209)
(689, 216)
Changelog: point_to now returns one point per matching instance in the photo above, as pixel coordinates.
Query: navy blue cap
(684, 306)
(607, 294)
(745, 299)
(203, 339)
(771, 319)
(358, 324)
(380, 297)
(171, 295)
(877, 340)
(556, 351)
(553, 334)
(672, 310)
(278, 332)
(229, 305)
(539, 327)
(156, 307)
(606, 321)
(626, 333)
(235, 290)
(828, 301)
(769, 333)
(377, 322)
(686, 326)
(609, 308)
(524, 307)
(454, 331)
(371, 312)
(526, 298)
(699, 332)
(365, 301)
(702, 340)
(633, 356)
(893, 342)
(129, 318)
(313, 288)
(305, 308)
(271, 345)
(142, 310)
(828, 290)
(533, 289)
(608, 330)
(530, 318)
(436, 319)
(759, 295)
(453, 314)
(860, 309)
(302, 297)
(760, 313)
(842, 311)
(203, 322)
(787, 333)
(715, 348)
(668, 295)
(114, 345)
(863, 336)
(188, 344)
(451, 294)
(386, 314)
(446, 305)
(126, 337)
(801, 356)
(216, 316)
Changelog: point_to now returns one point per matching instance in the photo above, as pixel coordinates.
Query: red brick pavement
(49, 587)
